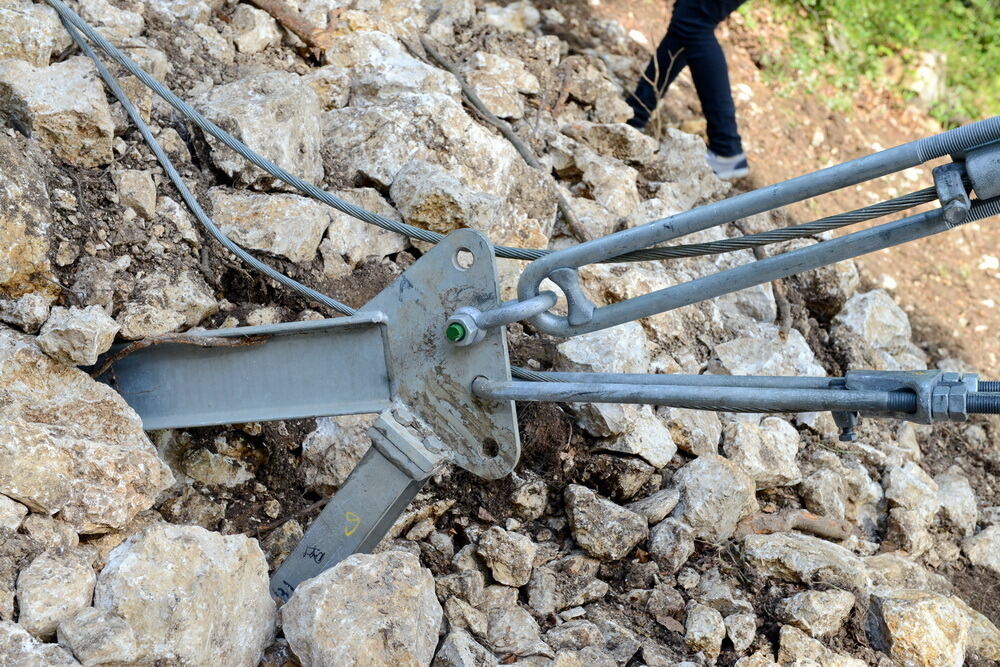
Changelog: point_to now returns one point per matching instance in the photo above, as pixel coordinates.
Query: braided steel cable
(185, 193)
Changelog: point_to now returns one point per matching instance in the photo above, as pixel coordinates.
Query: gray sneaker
(728, 168)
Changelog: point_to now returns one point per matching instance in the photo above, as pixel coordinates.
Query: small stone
(512, 630)
(380, 606)
(603, 529)
(765, 452)
(431, 198)
(877, 318)
(462, 615)
(30, 32)
(215, 469)
(657, 506)
(918, 628)
(574, 635)
(646, 437)
(97, 637)
(611, 183)
(350, 241)
(704, 630)
(19, 648)
(285, 225)
(984, 636)
(49, 532)
(281, 541)
(798, 648)
(803, 558)
(530, 499)
(459, 649)
(617, 140)
(254, 30)
(663, 603)
(137, 191)
(510, 556)
(57, 584)
(498, 80)
(468, 585)
(77, 336)
(161, 303)
(820, 613)
(12, 513)
(334, 449)
(620, 642)
(741, 630)
(223, 578)
(958, 501)
(721, 593)
(694, 431)
(983, 548)
(671, 543)
(63, 106)
(768, 353)
(516, 17)
(28, 312)
(277, 115)
(567, 582)
(715, 496)
(824, 493)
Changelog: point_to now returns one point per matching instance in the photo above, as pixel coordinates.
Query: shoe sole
(734, 174)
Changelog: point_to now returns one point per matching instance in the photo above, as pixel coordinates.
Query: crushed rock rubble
(617, 540)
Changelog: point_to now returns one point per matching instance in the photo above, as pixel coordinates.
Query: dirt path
(948, 283)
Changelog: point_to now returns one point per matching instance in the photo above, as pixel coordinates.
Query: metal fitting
(951, 192)
(469, 325)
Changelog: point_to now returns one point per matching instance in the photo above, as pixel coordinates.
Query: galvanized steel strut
(429, 353)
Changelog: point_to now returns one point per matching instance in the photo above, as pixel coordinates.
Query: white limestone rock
(983, 548)
(287, 225)
(19, 648)
(380, 69)
(797, 648)
(168, 580)
(459, 649)
(28, 312)
(820, 613)
(671, 543)
(768, 354)
(803, 558)
(498, 81)
(98, 637)
(254, 30)
(657, 506)
(12, 513)
(715, 495)
(161, 303)
(611, 183)
(602, 528)
(704, 630)
(117, 25)
(766, 452)
(54, 587)
(617, 140)
(693, 431)
(333, 450)
(958, 501)
(137, 191)
(620, 349)
(77, 336)
(646, 437)
(431, 198)
(277, 115)
(918, 628)
(349, 241)
(368, 609)
(518, 16)
(510, 556)
(30, 32)
(63, 107)
(71, 446)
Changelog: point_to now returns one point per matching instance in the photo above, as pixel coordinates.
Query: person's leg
(663, 68)
(696, 29)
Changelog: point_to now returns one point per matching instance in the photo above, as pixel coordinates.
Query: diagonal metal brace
(403, 456)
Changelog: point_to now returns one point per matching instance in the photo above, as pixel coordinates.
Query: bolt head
(455, 332)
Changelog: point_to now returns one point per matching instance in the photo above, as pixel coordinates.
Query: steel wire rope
(186, 194)
(526, 254)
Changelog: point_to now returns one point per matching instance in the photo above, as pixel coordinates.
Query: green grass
(838, 43)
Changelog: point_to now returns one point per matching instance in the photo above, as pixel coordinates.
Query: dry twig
(176, 339)
(505, 129)
(319, 504)
(785, 521)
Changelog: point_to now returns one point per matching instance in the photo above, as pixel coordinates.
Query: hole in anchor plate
(491, 448)
(464, 259)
